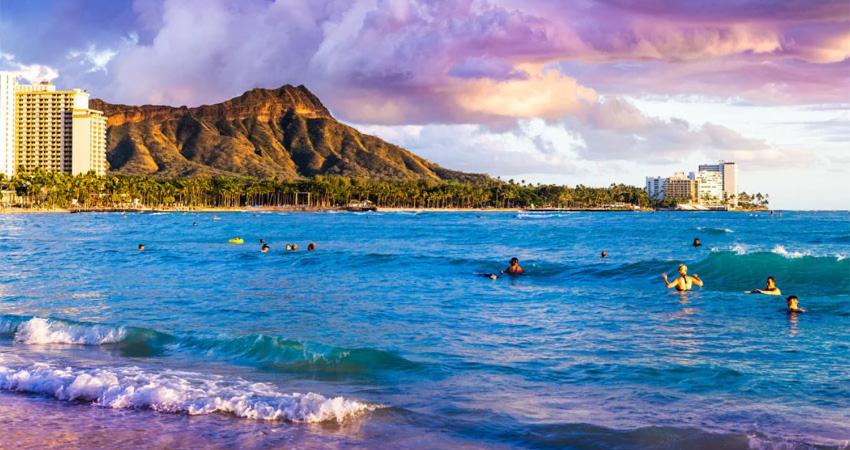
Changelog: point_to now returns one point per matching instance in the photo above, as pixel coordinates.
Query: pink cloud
(413, 61)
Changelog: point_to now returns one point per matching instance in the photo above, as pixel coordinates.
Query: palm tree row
(42, 189)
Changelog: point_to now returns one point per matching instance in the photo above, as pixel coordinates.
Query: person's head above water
(141, 247)
(697, 243)
(771, 283)
(264, 248)
(514, 261)
(793, 305)
(604, 254)
(311, 246)
(683, 269)
(294, 247)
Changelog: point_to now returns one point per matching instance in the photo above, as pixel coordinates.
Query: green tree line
(42, 189)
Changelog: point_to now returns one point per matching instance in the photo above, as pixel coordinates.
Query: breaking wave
(254, 349)
(175, 392)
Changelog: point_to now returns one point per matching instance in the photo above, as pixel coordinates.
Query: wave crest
(178, 393)
(254, 349)
(44, 331)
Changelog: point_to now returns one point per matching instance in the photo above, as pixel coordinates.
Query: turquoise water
(387, 336)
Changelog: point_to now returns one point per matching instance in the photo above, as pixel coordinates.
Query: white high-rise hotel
(41, 127)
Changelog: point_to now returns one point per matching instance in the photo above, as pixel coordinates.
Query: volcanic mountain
(285, 133)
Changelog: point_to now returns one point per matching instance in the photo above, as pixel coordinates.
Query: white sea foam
(45, 331)
(739, 249)
(175, 392)
(780, 250)
(543, 215)
(724, 230)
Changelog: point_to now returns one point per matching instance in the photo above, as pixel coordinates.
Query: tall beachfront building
(709, 187)
(729, 178)
(655, 187)
(56, 131)
(7, 124)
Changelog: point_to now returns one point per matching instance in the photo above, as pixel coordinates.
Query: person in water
(289, 247)
(604, 254)
(697, 243)
(294, 247)
(262, 241)
(769, 288)
(793, 307)
(311, 247)
(514, 268)
(685, 282)
(264, 248)
(141, 247)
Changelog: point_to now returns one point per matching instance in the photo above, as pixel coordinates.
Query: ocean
(388, 335)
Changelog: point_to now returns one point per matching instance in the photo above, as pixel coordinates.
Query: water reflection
(793, 327)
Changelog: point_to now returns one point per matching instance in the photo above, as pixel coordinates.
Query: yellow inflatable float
(236, 240)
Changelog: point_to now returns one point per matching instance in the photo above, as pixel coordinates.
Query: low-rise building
(680, 188)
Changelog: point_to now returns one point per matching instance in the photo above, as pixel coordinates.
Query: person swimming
(697, 243)
(141, 247)
(289, 247)
(514, 268)
(262, 241)
(311, 247)
(793, 307)
(294, 247)
(769, 288)
(604, 254)
(684, 282)
(265, 248)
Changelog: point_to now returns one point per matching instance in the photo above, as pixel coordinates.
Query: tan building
(88, 142)
(680, 188)
(57, 131)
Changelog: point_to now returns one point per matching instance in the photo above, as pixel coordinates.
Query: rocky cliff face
(284, 132)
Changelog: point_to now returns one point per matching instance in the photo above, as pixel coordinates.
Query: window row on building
(41, 127)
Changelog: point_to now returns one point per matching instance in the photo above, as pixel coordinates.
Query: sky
(586, 92)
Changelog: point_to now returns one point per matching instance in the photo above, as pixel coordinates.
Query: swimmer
(294, 247)
(685, 282)
(262, 241)
(769, 288)
(289, 247)
(514, 268)
(264, 248)
(697, 243)
(604, 254)
(311, 247)
(194, 224)
(141, 247)
(791, 301)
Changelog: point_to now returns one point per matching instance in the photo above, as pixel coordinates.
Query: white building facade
(7, 124)
(655, 187)
(709, 188)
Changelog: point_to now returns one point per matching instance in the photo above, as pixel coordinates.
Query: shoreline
(290, 209)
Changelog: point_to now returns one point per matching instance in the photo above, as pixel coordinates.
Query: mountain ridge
(285, 132)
